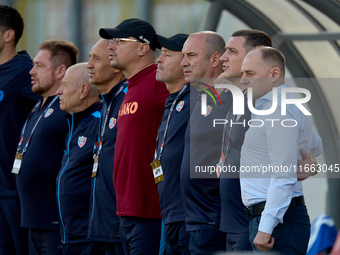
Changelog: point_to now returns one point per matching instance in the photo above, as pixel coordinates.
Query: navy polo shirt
(74, 178)
(16, 101)
(104, 223)
(40, 166)
(169, 190)
(233, 218)
(202, 149)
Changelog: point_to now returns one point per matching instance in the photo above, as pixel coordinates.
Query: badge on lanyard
(95, 167)
(220, 165)
(157, 171)
(17, 163)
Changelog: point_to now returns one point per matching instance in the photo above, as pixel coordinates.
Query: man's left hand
(263, 241)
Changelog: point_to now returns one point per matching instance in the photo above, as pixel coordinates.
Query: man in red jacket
(132, 52)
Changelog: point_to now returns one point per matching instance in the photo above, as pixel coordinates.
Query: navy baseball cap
(137, 28)
(174, 43)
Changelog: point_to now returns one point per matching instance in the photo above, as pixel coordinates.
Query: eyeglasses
(118, 40)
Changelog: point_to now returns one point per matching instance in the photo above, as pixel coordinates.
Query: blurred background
(306, 31)
(79, 21)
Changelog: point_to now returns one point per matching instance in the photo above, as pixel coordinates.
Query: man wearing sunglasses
(133, 52)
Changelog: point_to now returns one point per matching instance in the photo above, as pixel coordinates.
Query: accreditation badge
(157, 171)
(17, 163)
(95, 167)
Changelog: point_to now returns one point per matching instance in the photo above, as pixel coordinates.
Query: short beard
(40, 91)
(159, 79)
(37, 90)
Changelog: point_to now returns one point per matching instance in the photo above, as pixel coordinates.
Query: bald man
(104, 223)
(201, 60)
(274, 199)
(233, 219)
(81, 101)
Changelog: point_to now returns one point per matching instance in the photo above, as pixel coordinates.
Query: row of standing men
(118, 125)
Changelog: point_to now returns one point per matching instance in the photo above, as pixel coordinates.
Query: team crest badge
(49, 112)
(179, 106)
(81, 141)
(209, 109)
(112, 123)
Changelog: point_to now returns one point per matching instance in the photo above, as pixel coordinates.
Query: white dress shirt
(276, 146)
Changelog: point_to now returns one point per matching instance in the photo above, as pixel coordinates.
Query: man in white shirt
(269, 186)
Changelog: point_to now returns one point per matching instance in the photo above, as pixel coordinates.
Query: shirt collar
(110, 95)
(269, 96)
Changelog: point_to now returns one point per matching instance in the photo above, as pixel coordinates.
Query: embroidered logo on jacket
(81, 141)
(48, 112)
(179, 106)
(209, 109)
(112, 123)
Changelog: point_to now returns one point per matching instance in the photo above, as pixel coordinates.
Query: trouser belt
(256, 210)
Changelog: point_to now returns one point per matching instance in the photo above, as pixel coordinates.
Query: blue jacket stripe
(68, 154)
(93, 196)
(61, 218)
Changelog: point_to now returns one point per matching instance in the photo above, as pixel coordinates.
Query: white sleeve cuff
(267, 225)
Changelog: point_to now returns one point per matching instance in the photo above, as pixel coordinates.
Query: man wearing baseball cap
(133, 52)
(170, 146)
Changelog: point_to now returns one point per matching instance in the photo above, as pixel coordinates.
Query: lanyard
(35, 125)
(102, 127)
(167, 123)
(224, 129)
(223, 136)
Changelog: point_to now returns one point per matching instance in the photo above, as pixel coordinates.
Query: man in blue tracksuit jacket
(16, 101)
(41, 146)
(81, 100)
(104, 223)
(170, 144)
